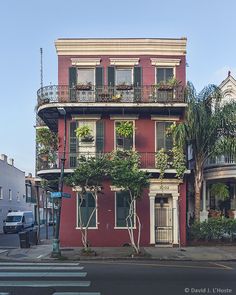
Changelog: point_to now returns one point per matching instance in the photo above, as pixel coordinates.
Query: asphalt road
(121, 278)
(12, 240)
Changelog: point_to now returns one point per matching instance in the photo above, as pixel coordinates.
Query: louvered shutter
(73, 144)
(137, 83)
(111, 76)
(160, 135)
(72, 82)
(100, 136)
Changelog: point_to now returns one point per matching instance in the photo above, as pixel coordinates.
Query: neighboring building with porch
(101, 83)
(221, 169)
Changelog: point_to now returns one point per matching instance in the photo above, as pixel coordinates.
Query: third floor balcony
(120, 94)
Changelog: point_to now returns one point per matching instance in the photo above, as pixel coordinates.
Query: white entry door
(163, 220)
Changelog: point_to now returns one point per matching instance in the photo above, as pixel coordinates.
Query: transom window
(87, 207)
(164, 74)
(85, 76)
(124, 77)
(122, 208)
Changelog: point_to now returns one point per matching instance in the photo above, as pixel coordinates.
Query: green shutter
(99, 76)
(122, 208)
(100, 136)
(137, 83)
(87, 208)
(72, 82)
(111, 76)
(73, 144)
(168, 137)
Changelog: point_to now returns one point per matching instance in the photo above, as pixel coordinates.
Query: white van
(18, 221)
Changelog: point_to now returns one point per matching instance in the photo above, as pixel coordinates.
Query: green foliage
(179, 162)
(162, 162)
(83, 131)
(125, 173)
(90, 173)
(213, 229)
(220, 190)
(125, 129)
(46, 140)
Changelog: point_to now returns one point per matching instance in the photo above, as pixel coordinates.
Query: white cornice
(86, 117)
(124, 117)
(171, 62)
(124, 61)
(85, 61)
(164, 118)
(119, 47)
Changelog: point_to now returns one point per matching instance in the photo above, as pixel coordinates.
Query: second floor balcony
(119, 94)
(222, 160)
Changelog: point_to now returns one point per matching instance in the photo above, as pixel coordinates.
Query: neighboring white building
(12, 189)
(221, 169)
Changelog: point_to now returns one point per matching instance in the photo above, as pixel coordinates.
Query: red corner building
(102, 82)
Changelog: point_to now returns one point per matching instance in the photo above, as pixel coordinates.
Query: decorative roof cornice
(155, 46)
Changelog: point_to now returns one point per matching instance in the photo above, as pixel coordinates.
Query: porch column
(175, 219)
(203, 213)
(152, 219)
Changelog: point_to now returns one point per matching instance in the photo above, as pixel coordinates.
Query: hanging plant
(161, 162)
(46, 139)
(179, 162)
(125, 129)
(220, 190)
(84, 133)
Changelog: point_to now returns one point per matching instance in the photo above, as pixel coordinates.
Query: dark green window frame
(163, 74)
(88, 204)
(122, 208)
(163, 140)
(123, 142)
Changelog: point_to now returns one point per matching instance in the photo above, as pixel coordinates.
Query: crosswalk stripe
(45, 284)
(38, 264)
(42, 274)
(77, 293)
(43, 268)
(1, 293)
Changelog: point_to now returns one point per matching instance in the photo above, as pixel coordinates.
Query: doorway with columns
(164, 212)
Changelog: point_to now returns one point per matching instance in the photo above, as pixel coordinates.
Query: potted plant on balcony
(168, 85)
(117, 97)
(124, 86)
(86, 86)
(125, 129)
(84, 133)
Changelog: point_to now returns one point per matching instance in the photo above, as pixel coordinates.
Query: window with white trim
(121, 142)
(163, 139)
(122, 208)
(124, 76)
(1, 193)
(86, 76)
(164, 74)
(10, 194)
(87, 207)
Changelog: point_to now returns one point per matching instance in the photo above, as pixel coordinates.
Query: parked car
(17, 221)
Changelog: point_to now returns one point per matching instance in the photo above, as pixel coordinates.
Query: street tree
(88, 178)
(209, 128)
(126, 175)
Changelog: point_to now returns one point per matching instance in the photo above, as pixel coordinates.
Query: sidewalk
(43, 253)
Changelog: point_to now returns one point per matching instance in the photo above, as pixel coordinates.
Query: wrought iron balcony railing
(222, 160)
(147, 160)
(111, 94)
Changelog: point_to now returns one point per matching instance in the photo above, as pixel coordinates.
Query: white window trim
(160, 121)
(124, 61)
(123, 120)
(89, 144)
(165, 62)
(165, 67)
(123, 227)
(77, 211)
(125, 68)
(85, 62)
(10, 194)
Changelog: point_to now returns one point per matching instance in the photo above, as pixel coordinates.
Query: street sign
(55, 195)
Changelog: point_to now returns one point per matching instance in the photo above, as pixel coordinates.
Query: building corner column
(152, 219)
(175, 219)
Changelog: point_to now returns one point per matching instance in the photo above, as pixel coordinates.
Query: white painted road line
(4, 293)
(42, 274)
(38, 264)
(43, 268)
(45, 284)
(77, 293)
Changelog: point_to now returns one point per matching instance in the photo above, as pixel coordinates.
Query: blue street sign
(55, 195)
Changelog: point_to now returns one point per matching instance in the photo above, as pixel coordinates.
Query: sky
(27, 25)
